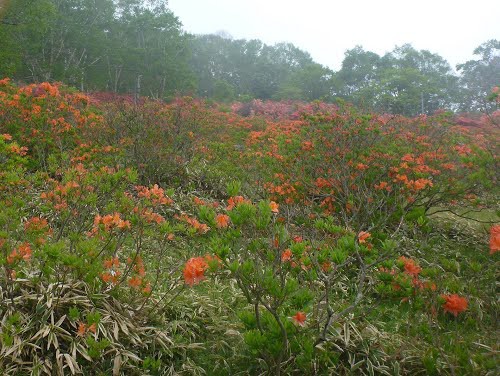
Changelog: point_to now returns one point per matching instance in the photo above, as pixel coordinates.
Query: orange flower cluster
(201, 228)
(138, 265)
(383, 185)
(361, 167)
(286, 255)
(110, 221)
(274, 207)
(112, 274)
(235, 201)
(58, 196)
(328, 205)
(83, 328)
(410, 266)
(199, 201)
(43, 89)
(150, 216)
(454, 304)
(194, 270)
(302, 262)
(60, 125)
(323, 183)
(463, 150)
(307, 145)
(36, 224)
(155, 194)
(285, 189)
(414, 185)
(16, 149)
(23, 252)
(138, 281)
(494, 239)
(363, 236)
(113, 262)
(222, 220)
(419, 184)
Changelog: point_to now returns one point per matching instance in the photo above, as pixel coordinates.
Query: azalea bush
(370, 170)
(74, 281)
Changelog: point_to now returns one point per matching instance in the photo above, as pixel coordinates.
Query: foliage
(139, 237)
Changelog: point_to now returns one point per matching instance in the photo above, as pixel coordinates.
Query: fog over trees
(138, 46)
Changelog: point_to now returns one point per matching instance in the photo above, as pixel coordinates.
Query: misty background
(384, 56)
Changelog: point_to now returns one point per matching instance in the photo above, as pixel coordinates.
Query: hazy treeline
(138, 46)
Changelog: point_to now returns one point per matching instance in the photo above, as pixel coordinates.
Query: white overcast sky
(326, 28)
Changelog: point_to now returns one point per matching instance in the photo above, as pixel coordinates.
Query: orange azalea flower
(361, 167)
(23, 252)
(430, 285)
(199, 201)
(362, 236)
(410, 266)
(109, 221)
(111, 277)
(81, 329)
(36, 224)
(286, 255)
(112, 262)
(151, 217)
(307, 145)
(326, 266)
(222, 221)
(407, 158)
(92, 328)
(321, 183)
(194, 270)
(135, 282)
(13, 148)
(274, 207)
(300, 318)
(419, 184)
(199, 227)
(235, 201)
(454, 304)
(106, 277)
(383, 185)
(494, 239)
(147, 288)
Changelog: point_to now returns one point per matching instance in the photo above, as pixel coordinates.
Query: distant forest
(138, 46)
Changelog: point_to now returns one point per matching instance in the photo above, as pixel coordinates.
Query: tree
(415, 82)
(97, 44)
(250, 67)
(479, 76)
(404, 81)
(311, 83)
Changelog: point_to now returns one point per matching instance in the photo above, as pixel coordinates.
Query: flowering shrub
(125, 228)
(75, 244)
(371, 171)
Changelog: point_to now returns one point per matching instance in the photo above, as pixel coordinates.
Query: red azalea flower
(300, 318)
(454, 304)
